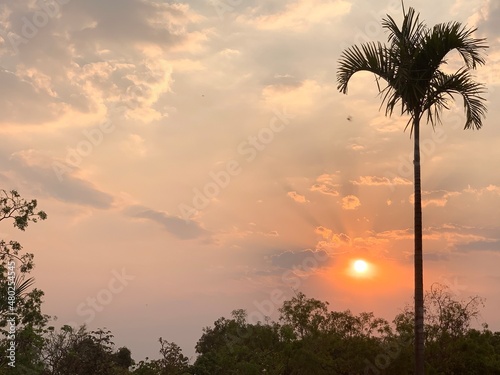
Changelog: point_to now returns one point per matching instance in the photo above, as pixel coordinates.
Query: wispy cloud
(325, 185)
(297, 197)
(438, 198)
(36, 170)
(177, 227)
(298, 15)
(381, 181)
(309, 259)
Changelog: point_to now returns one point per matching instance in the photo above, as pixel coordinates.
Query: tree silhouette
(410, 65)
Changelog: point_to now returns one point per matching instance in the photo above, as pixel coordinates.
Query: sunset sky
(195, 157)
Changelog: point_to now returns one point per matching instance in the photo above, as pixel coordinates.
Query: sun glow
(361, 269)
(360, 266)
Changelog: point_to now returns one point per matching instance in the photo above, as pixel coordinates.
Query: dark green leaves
(12, 206)
(444, 86)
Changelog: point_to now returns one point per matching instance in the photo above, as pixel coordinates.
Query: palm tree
(410, 65)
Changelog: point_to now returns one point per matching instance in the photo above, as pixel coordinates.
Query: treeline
(307, 339)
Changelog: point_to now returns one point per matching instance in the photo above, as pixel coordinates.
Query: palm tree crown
(411, 63)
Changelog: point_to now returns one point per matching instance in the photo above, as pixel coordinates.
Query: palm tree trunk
(419, 270)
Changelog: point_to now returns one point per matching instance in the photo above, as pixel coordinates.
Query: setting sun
(360, 266)
(360, 269)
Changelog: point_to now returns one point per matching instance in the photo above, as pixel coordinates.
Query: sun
(360, 266)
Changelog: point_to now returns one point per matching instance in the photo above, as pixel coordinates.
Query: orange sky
(196, 158)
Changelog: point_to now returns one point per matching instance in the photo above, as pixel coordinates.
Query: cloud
(487, 16)
(396, 234)
(93, 55)
(135, 145)
(483, 245)
(304, 260)
(323, 232)
(125, 23)
(38, 171)
(25, 100)
(436, 256)
(385, 124)
(381, 181)
(356, 147)
(448, 237)
(179, 228)
(438, 198)
(135, 87)
(324, 189)
(298, 16)
(350, 202)
(325, 185)
(370, 242)
(493, 189)
(334, 242)
(300, 96)
(297, 197)
(328, 234)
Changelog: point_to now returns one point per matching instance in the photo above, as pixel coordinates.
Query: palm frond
(372, 57)
(23, 285)
(409, 36)
(452, 35)
(444, 86)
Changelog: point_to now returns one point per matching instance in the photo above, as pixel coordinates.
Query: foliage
(80, 352)
(173, 362)
(23, 305)
(234, 346)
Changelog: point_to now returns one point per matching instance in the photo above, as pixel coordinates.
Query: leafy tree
(235, 346)
(80, 352)
(146, 367)
(305, 316)
(310, 339)
(173, 362)
(410, 66)
(123, 358)
(21, 212)
(452, 346)
(327, 342)
(57, 344)
(19, 304)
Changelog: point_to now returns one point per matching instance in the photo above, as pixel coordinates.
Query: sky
(196, 157)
